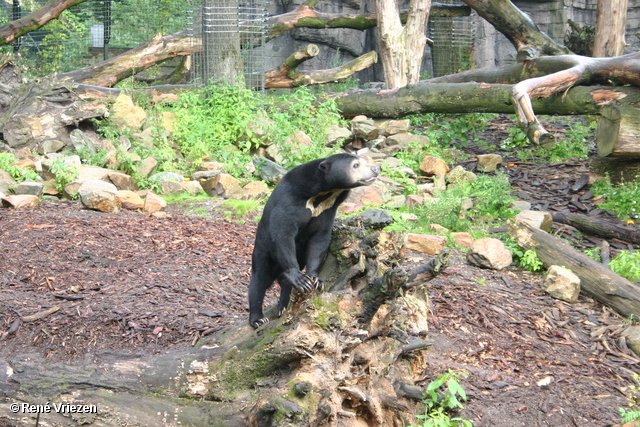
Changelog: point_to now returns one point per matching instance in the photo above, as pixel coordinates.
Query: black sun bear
(295, 230)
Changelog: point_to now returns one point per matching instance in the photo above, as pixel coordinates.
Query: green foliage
(516, 139)
(212, 121)
(452, 129)
(627, 264)
(574, 143)
(6, 160)
(64, 172)
(622, 199)
(491, 195)
(99, 158)
(593, 253)
(54, 49)
(239, 208)
(301, 110)
(633, 402)
(441, 399)
(531, 261)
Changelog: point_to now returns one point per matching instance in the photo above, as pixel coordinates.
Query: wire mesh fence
(100, 29)
(453, 44)
(91, 31)
(223, 26)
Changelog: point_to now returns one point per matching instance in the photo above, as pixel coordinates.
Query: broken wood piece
(40, 315)
(599, 227)
(618, 132)
(596, 280)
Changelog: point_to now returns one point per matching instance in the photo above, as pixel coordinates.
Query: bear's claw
(259, 322)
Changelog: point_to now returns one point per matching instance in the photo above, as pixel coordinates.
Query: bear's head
(346, 171)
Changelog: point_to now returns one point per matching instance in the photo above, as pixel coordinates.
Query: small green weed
(491, 195)
(452, 129)
(593, 253)
(573, 145)
(64, 172)
(633, 402)
(531, 261)
(6, 160)
(516, 139)
(621, 199)
(627, 264)
(239, 208)
(440, 405)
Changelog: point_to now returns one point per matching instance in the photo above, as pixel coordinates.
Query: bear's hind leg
(260, 282)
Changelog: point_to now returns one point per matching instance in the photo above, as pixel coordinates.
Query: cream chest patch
(322, 201)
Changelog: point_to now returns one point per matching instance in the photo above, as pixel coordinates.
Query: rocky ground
(75, 282)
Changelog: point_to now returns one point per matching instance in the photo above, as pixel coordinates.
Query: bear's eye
(356, 165)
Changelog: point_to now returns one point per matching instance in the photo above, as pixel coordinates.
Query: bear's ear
(324, 166)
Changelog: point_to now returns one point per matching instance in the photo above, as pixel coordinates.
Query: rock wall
(489, 47)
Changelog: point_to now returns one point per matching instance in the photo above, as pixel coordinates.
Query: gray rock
(200, 175)
(632, 337)
(30, 188)
(371, 218)
(81, 141)
(166, 176)
(269, 171)
(364, 129)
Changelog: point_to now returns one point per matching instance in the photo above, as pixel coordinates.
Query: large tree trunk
(222, 60)
(401, 47)
(610, 28)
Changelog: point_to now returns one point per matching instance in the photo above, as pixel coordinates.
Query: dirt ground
(75, 281)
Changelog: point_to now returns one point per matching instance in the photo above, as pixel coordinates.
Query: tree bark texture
(108, 73)
(610, 28)
(426, 97)
(619, 132)
(402, 46)
(596, 280)
(221, 56)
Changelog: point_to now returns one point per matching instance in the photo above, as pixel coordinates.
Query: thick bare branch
(11, 31)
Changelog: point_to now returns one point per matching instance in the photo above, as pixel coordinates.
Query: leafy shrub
(6, 160)
(627, 264)
(621, 199)
(441, 399)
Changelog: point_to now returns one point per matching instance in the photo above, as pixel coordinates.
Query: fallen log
(470, 97)
(599, 227)
(596, 280)
(618, 132)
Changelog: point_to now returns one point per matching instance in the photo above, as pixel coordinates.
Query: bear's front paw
(298, 280)
(256, 324)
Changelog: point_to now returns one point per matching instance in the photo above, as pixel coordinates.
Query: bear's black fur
(295, 230)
